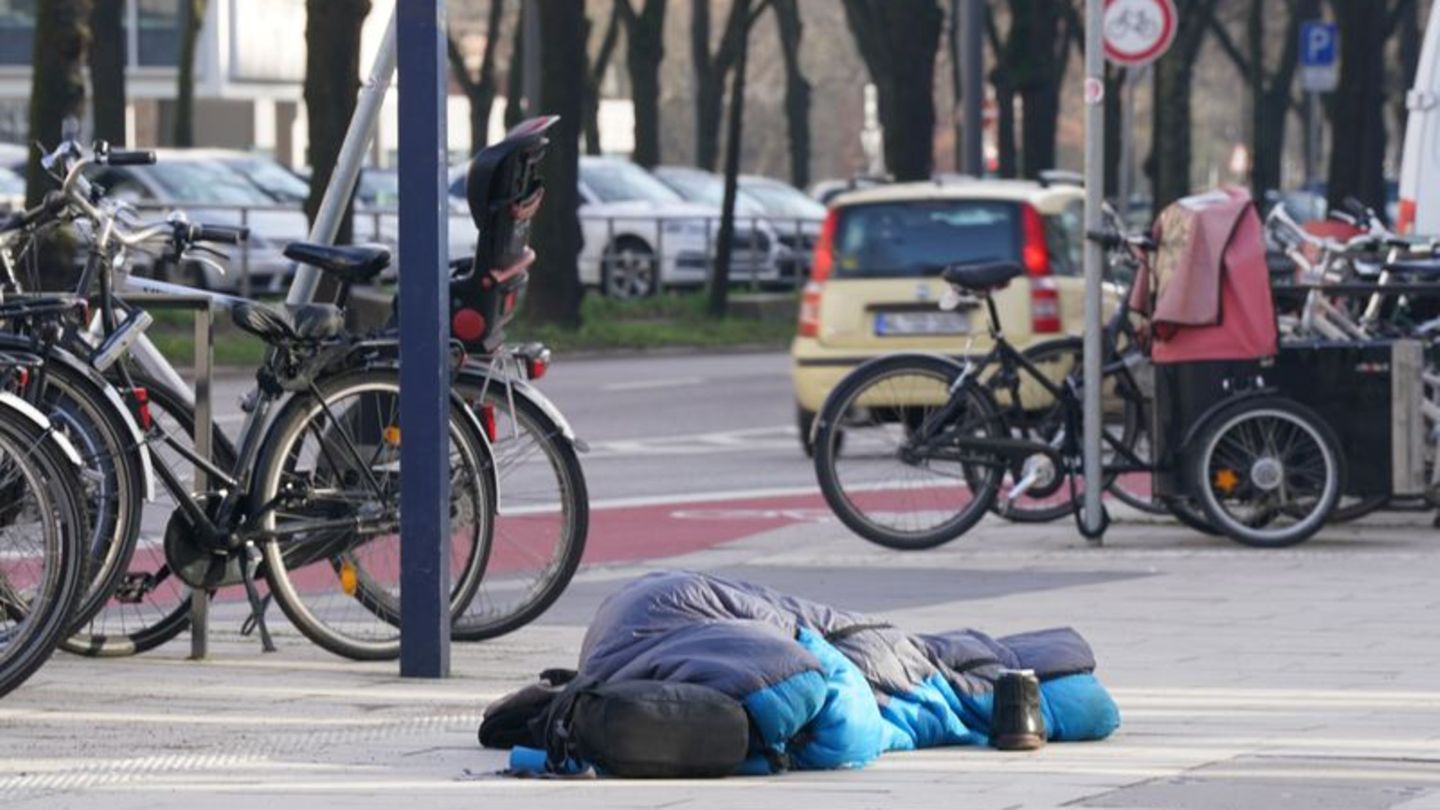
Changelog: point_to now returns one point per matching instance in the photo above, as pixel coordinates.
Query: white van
(1420, 165)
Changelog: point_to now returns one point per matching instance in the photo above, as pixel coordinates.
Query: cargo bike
(1205, 413)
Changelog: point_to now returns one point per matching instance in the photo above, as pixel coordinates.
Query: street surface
(1302, 678)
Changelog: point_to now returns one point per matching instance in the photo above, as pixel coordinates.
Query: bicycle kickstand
(257, 605)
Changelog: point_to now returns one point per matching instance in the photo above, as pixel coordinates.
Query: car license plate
(921, 323)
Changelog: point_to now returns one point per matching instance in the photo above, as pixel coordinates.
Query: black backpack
(514, 719)
(646, 729)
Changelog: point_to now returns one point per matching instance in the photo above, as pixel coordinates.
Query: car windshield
(920, 237)
(781, 200)
(616, 181)
(193, 182)
(271, 178)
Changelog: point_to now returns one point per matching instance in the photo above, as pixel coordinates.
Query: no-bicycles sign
(1137, 32)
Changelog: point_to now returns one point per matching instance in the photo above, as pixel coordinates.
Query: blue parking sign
(1318, 42)
(1319, 54)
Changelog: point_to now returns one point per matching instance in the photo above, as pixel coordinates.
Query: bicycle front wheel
(43, 534)
(330, 477)
(904, 477)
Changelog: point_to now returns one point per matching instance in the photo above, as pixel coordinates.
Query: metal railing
(768, 251)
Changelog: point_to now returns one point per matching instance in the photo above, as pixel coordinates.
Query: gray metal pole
(973, 53)
(347, 164)
(1094, 195)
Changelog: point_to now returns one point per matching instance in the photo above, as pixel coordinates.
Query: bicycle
(312, 488)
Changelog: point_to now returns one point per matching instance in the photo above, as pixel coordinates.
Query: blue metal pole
(424, 334)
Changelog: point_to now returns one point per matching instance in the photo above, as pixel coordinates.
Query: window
(158, 37)
(17, 31)
(1063, 238)
(919, 238)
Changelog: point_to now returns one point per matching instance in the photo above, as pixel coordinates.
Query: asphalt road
(661, 426)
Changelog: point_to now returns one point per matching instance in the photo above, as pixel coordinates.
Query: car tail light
(1035, 256)
(820, 266)
(1405, 223)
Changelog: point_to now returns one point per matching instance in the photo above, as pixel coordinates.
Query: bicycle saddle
(303, 322)
(352, 264)
(981, 276)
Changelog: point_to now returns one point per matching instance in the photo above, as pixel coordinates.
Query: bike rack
(203, 307)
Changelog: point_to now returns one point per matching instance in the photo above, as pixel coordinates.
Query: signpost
(1132, 34)
(1319, 73)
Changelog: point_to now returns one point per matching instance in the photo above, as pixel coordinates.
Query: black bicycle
(928, 443)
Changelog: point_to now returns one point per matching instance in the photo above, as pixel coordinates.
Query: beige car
(875, 287)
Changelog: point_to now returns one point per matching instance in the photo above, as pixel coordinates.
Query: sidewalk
(1300, 678)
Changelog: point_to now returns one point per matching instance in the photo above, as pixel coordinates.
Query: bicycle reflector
(140, 397)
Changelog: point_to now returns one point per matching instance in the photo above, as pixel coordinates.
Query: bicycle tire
(111, 483)
(28, 451)
(281, 451)
(164, 611)
(844, 402)
(523, 517)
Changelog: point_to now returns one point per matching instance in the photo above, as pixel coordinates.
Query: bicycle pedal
(133, 587)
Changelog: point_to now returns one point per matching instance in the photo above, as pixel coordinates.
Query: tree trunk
(1170, 155)
(332, 79)
(1034, 63)
(515, 75)
(1357, 154)
(898, 40)
(57, 83)
(555, 281)
(797, 91)
(594, 76)
(1410, 32)
(192, 18)
(108, 60)
(644, 51)
(1009, 161)
(480, 91)
(711, 72)
(720, 277)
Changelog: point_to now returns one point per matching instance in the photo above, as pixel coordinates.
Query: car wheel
(629, 270)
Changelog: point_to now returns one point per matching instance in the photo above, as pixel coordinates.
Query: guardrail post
(245, 285)
(424, 333)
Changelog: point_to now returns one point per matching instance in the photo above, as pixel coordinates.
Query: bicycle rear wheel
(543, 516)
(42, 546)
(334, 457)
(887, 484)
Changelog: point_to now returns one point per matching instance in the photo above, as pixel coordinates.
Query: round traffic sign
(1137, 32)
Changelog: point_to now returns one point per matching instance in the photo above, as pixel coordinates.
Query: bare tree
(515, 74)
(899, 39)
(797, 90)
(1271, 100)
(1000, 79)
(1357, 153)
(108, 59)
(1170, 154)
(644, 51)
(595, 74)
(57, 80)
(192, 18)
(711, 70)
(555, 284)
(479, 90)
(332, 79)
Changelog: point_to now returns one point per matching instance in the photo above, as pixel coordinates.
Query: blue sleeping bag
(825, 688)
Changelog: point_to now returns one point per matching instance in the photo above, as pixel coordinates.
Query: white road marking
(769, 437)
(651, 385)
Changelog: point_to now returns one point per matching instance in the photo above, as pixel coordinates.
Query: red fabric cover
(1207, 290)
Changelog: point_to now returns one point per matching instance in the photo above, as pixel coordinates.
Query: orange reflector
(392, 436)
(1226, 480)
(349, 580)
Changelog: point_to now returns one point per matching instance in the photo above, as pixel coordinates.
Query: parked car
(824, 191)
(12, 190)
(794, 216)
(641, 235)
(194, 181)
(874, 287)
